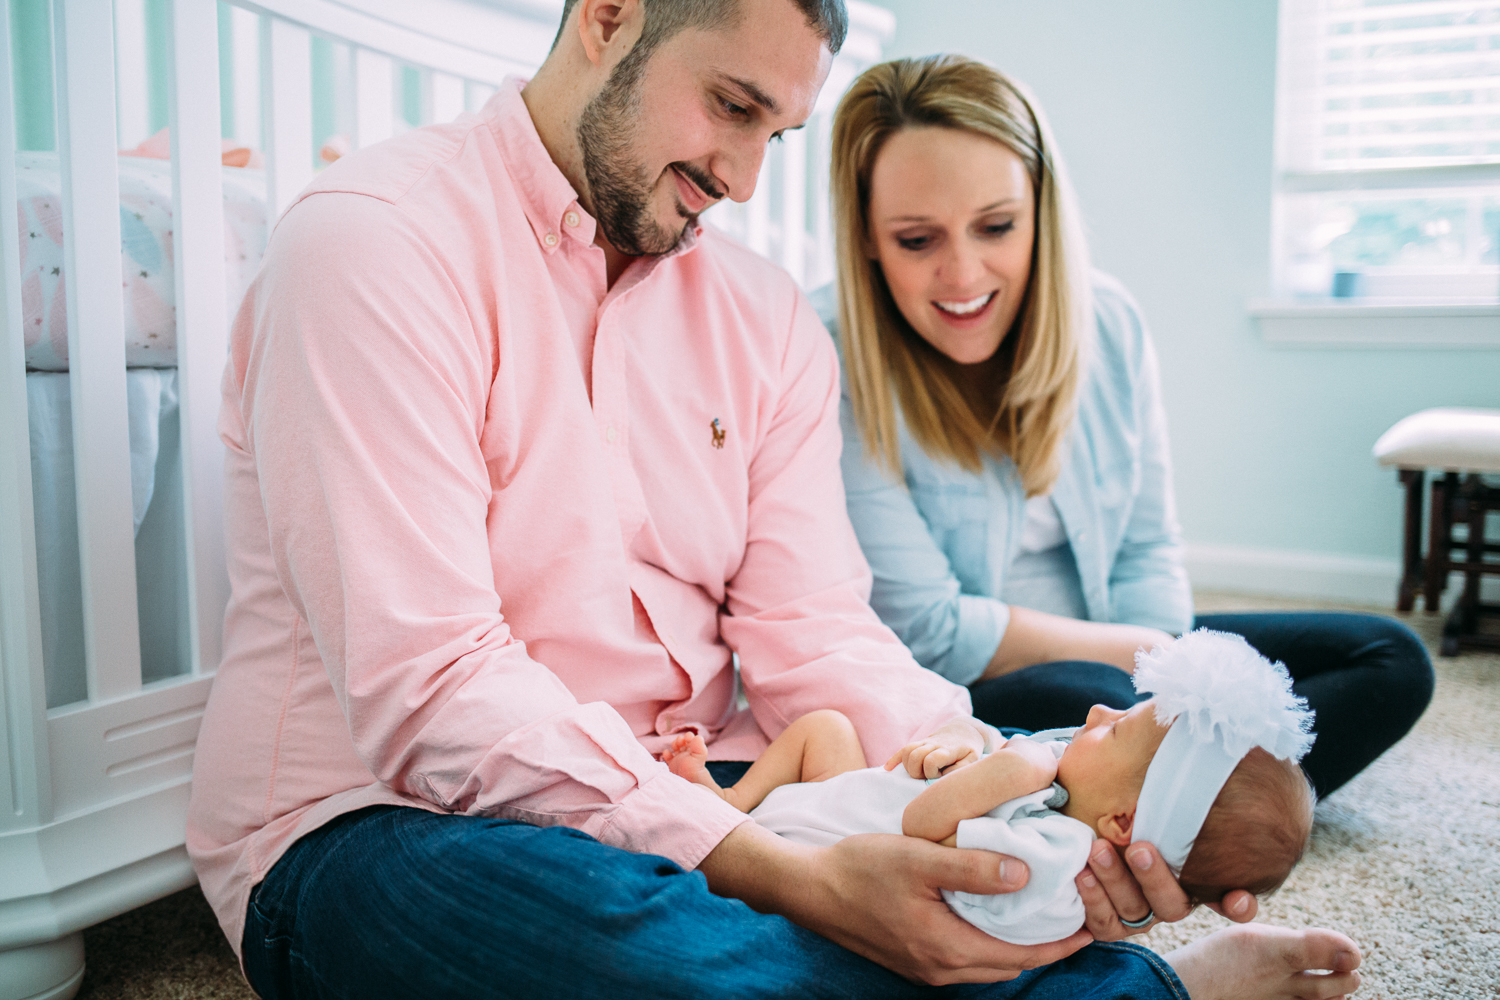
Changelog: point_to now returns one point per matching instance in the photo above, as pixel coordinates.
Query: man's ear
(1116, 828)
(603, 24)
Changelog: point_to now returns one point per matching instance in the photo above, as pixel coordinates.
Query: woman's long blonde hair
(885, 359)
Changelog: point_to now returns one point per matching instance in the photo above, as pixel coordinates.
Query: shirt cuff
(981, 625)
(672, 817)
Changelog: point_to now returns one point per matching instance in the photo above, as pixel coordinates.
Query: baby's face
(1106, 763)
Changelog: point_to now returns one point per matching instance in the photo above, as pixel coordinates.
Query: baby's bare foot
(688, 757)
(1261, 962)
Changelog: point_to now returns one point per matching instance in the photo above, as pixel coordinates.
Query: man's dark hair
(665, 18)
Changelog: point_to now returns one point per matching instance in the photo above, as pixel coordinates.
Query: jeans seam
(1158, 964)
(267, 923)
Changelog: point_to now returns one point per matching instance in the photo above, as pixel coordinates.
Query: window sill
(1370, 322)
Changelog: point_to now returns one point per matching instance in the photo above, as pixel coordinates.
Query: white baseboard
(1318, 575)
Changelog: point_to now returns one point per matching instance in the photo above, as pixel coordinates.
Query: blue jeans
(397, 902)
(1367, 678)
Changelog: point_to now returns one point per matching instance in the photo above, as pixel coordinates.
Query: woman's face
(952, 223)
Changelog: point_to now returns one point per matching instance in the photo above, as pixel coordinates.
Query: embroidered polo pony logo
(718, 432)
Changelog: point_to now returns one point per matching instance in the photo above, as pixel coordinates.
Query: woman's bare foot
(688, 758)
(1261, 962)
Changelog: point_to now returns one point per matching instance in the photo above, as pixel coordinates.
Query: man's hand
(955, 744)
(1112, 890)
(880, 896)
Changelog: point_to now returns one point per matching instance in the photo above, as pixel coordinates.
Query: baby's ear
(1117, 827)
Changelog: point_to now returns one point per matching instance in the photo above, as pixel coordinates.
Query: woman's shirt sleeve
(915, 591)
(1148, 584)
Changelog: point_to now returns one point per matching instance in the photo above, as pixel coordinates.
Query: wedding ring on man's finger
(1145, 921)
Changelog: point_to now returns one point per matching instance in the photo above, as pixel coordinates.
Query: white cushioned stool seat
(1463, 440)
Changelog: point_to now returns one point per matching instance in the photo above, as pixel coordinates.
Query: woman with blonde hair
(1005, 449)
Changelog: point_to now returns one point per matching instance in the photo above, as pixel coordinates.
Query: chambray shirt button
(550, 239)
(610, 435)
(571, 219)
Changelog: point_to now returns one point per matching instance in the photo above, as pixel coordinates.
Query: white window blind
(1388, 153)
(1376, 85)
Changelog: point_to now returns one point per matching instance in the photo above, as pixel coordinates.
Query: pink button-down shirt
(495, 528)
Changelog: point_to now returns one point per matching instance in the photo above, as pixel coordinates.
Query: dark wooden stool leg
(1464, 620)
(1411, 549)
(1439, 540)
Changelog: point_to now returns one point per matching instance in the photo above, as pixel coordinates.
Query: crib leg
(52, 970)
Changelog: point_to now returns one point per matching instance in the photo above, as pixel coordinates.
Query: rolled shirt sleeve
(1148, 583)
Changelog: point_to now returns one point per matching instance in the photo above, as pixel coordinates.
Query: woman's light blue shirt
(940, 540)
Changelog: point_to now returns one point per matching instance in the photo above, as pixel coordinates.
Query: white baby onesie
(1055, 847)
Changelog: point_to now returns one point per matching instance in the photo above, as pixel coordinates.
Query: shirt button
(610, 435)
(571, 218)
(550, 239)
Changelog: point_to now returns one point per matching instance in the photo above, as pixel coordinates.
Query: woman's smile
(967, 309)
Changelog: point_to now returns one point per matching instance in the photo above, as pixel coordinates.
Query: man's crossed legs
(395, 902)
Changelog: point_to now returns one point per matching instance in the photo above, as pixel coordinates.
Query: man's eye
(732, 109)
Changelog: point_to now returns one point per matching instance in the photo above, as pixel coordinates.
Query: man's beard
(621, 189)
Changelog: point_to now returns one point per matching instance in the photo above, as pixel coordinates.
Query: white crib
(94, 784)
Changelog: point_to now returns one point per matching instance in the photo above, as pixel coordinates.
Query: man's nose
(737, 170)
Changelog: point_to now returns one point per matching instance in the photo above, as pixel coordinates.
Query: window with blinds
(1388, 153)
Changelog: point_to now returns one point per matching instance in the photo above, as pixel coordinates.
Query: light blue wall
(1163, 109)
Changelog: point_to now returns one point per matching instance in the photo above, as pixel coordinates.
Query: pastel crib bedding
(147, 278)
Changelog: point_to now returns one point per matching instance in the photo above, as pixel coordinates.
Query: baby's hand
(954, 745)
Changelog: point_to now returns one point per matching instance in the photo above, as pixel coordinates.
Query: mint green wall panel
(31, 51)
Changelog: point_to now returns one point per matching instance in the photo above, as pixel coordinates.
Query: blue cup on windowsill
(1347, 284)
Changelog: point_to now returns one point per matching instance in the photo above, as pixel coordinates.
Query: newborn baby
(1206, 770)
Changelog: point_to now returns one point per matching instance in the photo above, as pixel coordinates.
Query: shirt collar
(547, 197)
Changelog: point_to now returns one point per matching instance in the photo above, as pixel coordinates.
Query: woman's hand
(954, 744)
(1113, 891)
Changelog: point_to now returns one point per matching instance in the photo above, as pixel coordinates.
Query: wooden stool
(1456, 441)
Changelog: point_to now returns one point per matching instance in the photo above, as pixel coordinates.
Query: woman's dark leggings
(1367, 677)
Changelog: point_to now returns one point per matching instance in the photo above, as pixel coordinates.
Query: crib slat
(198, 198)
(820, 268)
(287, 72)
(245, 27)
(794, 167)
(84, 44)
(374, 98)
(132, 74)
(25, 775)
(447, 98)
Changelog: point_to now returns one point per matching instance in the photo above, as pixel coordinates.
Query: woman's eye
(912, 242)
(998, 228)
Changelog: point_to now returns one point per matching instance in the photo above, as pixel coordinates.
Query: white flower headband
(1221, 699)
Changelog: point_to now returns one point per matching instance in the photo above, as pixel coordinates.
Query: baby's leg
(814, 748)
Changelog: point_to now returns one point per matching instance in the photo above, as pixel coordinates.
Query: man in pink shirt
(518, 456)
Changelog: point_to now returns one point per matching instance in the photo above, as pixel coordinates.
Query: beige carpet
(1405, 859)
